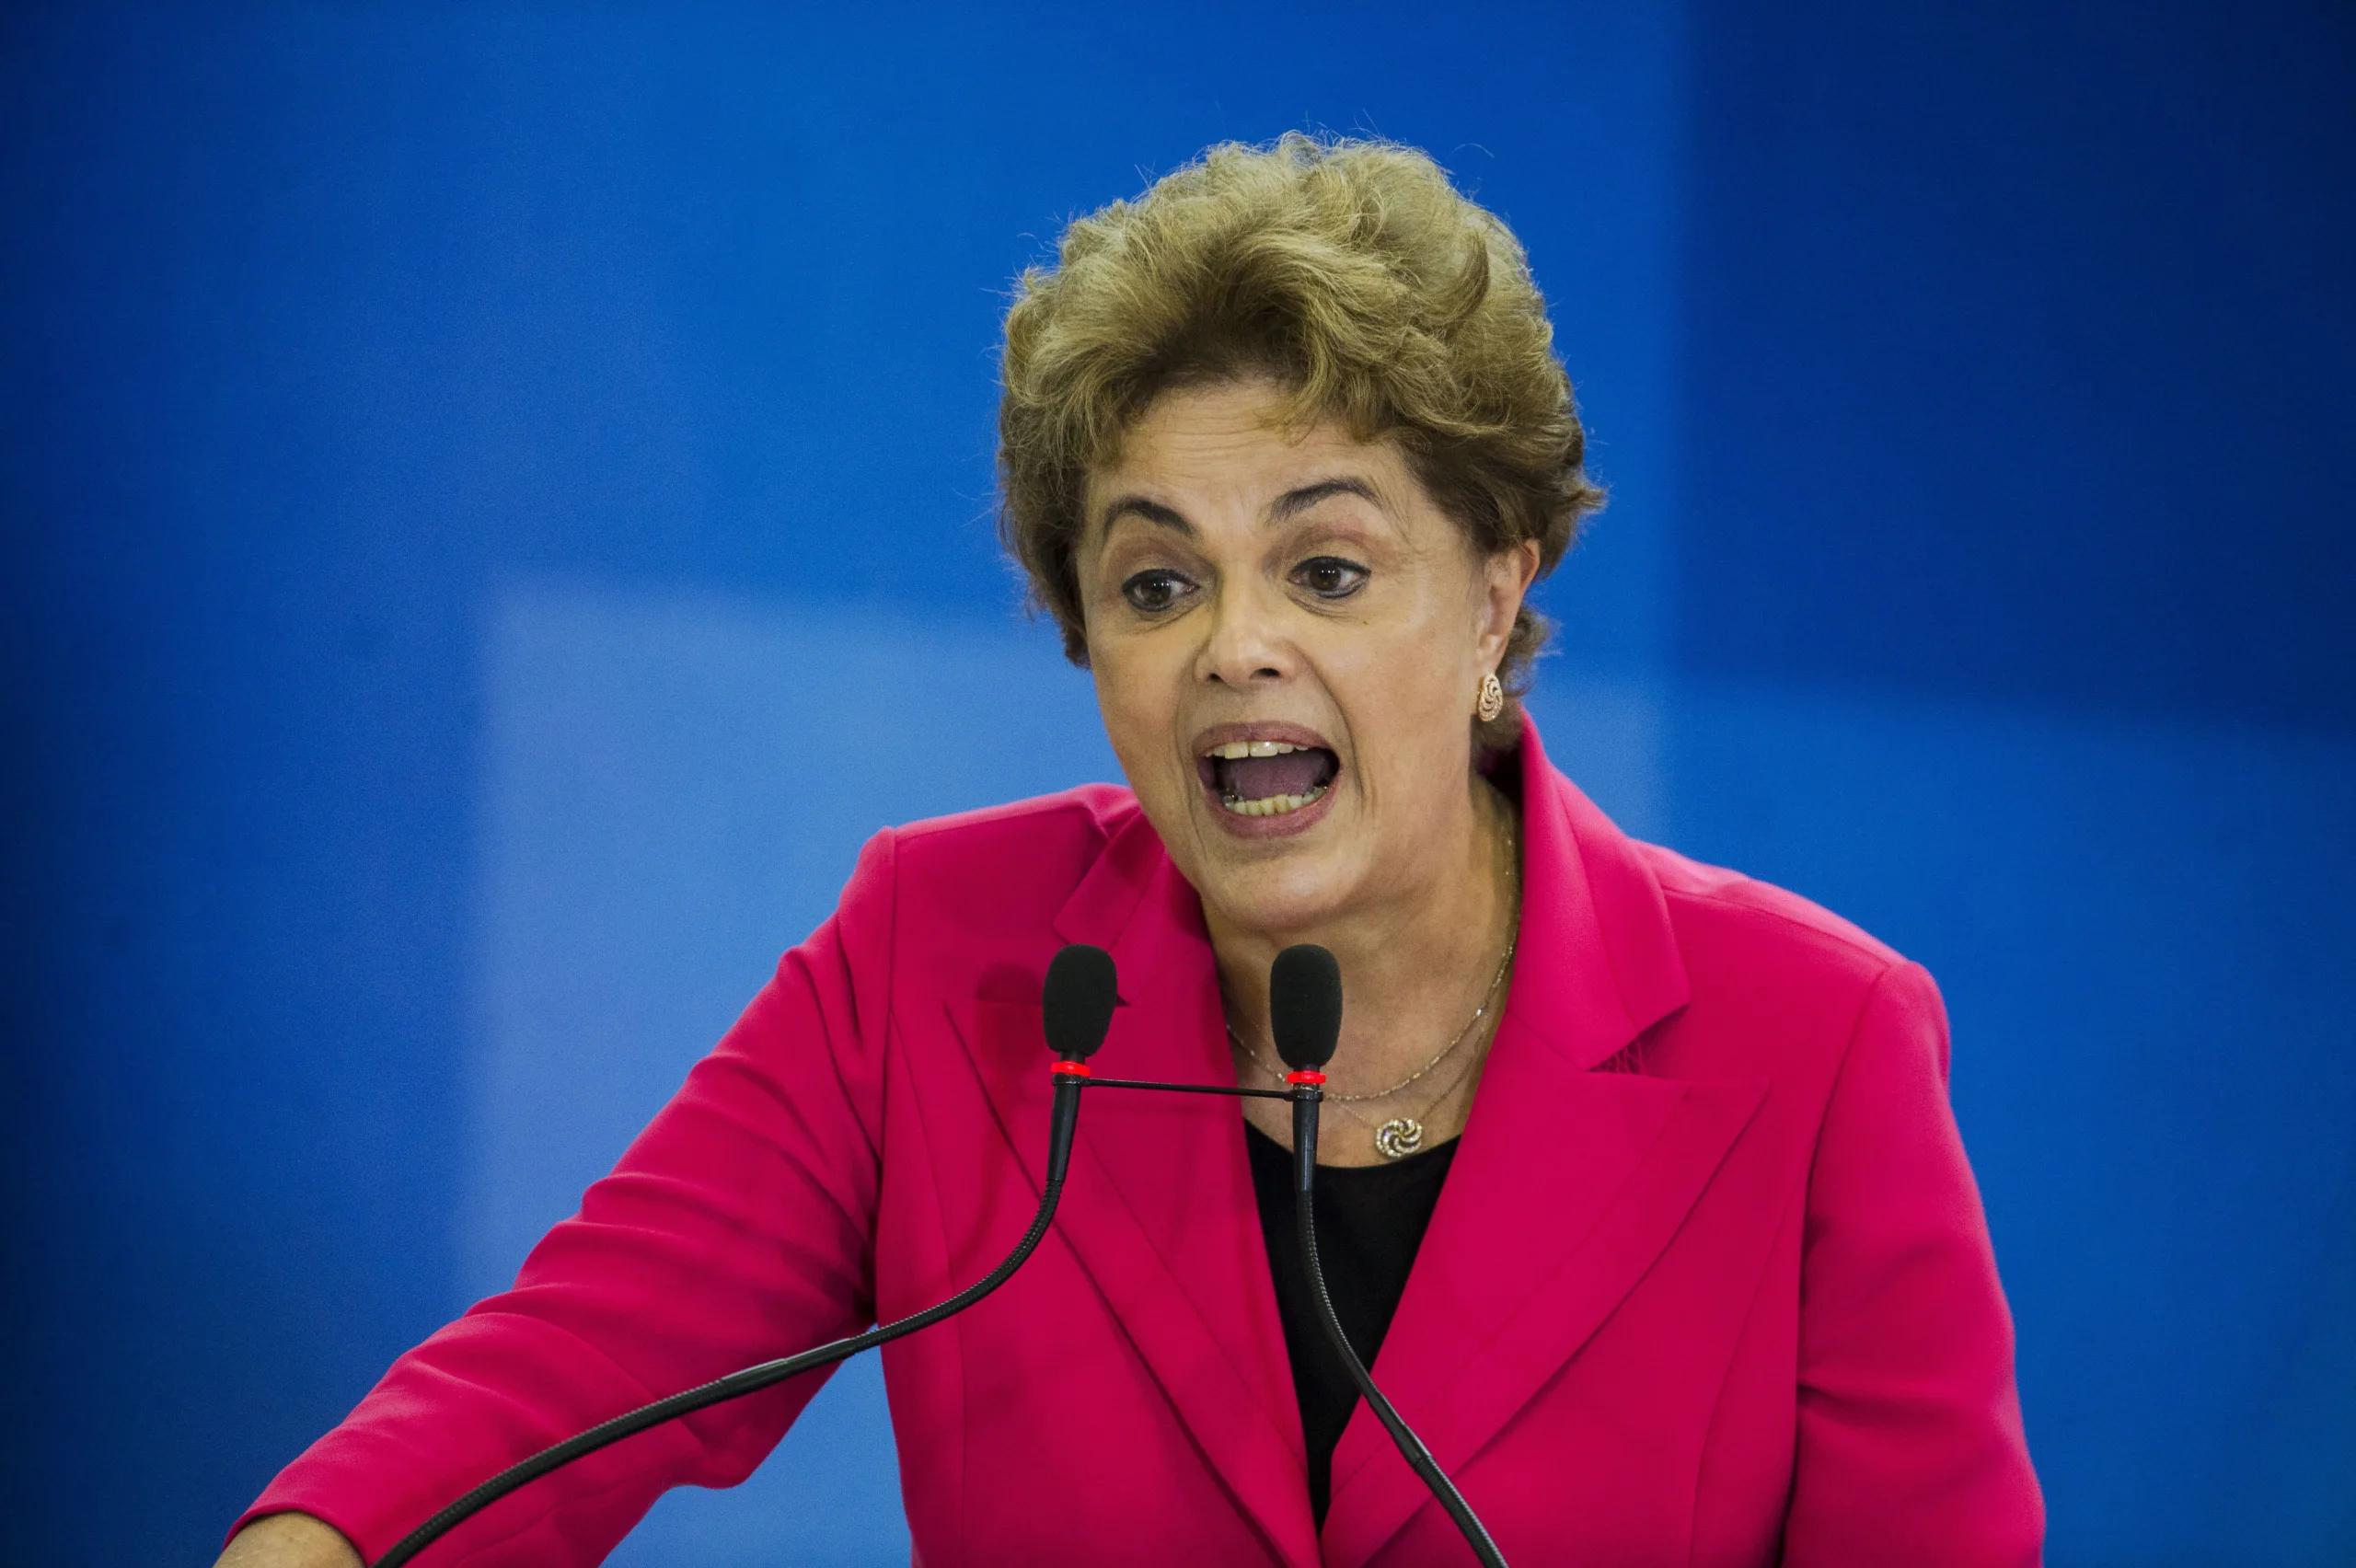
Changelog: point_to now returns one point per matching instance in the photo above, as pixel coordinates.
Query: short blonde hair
(1357, 276)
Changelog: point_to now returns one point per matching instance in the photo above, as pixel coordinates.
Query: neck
(1414, 968)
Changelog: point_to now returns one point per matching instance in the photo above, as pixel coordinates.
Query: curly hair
(1356, 277)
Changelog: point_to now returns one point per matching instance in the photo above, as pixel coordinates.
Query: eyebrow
(1290, 504)
(1152, 511)
(1293, 502)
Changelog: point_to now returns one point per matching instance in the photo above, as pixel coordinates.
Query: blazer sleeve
(739, 1227)
(1909, 1443)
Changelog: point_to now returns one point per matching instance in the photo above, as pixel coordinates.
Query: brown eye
(1154, 589)
(1330, 577)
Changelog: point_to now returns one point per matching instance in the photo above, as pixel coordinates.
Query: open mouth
(1266, 778)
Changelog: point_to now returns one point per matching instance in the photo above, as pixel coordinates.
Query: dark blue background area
(1972, 382)
(2018, 349)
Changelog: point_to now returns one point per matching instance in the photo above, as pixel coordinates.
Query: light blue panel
(677, 787)
(2145, 936)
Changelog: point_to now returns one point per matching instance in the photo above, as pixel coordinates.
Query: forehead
(1229, 445)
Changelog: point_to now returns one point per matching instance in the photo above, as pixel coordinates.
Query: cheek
(1404, 672)
(1406, 693)
(1138, 703)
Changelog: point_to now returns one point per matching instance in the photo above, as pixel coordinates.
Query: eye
(1155, 589)
(1330, 577)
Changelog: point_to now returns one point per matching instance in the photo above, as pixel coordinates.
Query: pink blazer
(1709, 1281)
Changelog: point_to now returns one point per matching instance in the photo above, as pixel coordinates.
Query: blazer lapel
(1566, 1189)
(1159, 1206)
(1569, 1181)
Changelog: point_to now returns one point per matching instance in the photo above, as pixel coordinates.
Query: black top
(1371, 1220)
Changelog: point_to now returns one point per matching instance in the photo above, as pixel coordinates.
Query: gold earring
(1493, 697)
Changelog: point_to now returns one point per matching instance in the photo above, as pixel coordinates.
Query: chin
(1294, 890)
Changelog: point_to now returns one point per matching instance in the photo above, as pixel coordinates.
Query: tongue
(1257, 778)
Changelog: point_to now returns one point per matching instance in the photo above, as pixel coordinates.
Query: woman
(1645, 1184)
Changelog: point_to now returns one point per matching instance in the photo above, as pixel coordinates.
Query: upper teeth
(1234, 749)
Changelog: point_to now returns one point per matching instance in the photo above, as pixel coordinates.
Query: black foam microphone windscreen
(1305, 1006)
(1077, 999)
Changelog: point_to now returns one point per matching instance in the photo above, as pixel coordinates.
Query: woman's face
(1287, 637)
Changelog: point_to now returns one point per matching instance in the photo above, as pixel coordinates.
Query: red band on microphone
(1307, 1075)
(1075, 1069)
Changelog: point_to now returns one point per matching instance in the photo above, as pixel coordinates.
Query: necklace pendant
(1399, 1137)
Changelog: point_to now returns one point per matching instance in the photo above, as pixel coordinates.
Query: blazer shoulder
(1735, 928)
(1086, 813)
(1026, 855)
(1780, 984)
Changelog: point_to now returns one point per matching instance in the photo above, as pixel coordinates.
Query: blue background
(497, 509)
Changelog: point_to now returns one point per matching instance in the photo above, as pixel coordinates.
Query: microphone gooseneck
(1305, 1016)
(1076, 1007)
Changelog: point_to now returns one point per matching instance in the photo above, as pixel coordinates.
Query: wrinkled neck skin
(1417, 956)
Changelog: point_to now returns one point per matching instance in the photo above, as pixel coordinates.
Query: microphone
(1076, 1003)
(1305, 1016)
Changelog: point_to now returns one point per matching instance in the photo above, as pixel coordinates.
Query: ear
(1505, 581)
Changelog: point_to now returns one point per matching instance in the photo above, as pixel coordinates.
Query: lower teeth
(1270, 805)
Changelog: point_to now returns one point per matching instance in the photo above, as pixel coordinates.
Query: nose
(1246, 647)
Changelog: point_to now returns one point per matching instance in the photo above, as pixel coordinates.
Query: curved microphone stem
(752, 1379)
(1306, 1096)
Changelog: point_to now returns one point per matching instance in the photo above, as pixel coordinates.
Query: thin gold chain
(1455, 1082)
(1446, 1051)
(1488, 997)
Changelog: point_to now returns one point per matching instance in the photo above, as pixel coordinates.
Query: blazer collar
(1597, 963)
(1134, 904)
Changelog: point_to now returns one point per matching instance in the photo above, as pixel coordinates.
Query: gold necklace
(1402, 1136)
(1446, 1051)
